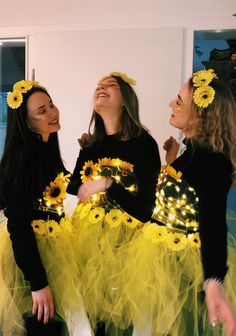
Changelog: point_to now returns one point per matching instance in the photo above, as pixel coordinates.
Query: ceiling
(51, 12)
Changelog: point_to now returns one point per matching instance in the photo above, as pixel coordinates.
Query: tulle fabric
(144, 275)
(59, 261)
(98, 245)
(166, 285)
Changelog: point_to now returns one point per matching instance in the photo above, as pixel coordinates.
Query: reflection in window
(217, 50)
(12, 69)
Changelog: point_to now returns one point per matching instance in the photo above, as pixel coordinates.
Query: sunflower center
(129, 220)
(88, 171)
(177, 240)
(55, 192)
(205, 96)
(15, 99)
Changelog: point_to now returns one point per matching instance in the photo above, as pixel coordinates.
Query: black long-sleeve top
(143, 153)
(210, 175)
(38, 171)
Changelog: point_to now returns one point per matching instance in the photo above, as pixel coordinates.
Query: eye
(42, 111)
(178, 102)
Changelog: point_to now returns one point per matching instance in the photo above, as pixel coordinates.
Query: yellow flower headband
(122, 75)
(15, 98)
(204, 94)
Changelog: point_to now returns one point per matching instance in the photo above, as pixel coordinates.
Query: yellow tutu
(162, 282)
(57, 254)
(99, 239)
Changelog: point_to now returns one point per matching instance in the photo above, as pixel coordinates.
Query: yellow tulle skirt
(138, 274)
(57, 254)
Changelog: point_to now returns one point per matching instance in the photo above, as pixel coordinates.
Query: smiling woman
(115, 179)
(35, 241)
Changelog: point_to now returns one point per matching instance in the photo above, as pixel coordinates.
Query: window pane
(12, 69)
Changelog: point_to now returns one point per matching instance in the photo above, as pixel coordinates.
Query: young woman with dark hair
(38, 273)
(115, 175)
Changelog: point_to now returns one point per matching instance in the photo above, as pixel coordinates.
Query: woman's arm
(214, 186)
(27, 257)
(146, 169)
(75, 180)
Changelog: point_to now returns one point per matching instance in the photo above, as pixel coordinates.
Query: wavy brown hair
(216, 126)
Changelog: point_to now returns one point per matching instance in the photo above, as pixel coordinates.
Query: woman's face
(42, 115)
(183, 116)
(108, 96)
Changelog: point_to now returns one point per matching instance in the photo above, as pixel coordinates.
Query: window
(12, 69)
(216, 49)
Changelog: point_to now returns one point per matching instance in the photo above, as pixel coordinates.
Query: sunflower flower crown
(122, 75)
(15, 97)
(204, 94)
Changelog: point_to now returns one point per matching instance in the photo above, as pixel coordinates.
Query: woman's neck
(111, 126)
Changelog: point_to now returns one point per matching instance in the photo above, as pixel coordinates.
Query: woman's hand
(171, 146)
(93, 187)
(43, 304)
(219, 310)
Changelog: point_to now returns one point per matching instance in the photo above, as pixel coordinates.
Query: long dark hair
(20, 150)
(130, 121)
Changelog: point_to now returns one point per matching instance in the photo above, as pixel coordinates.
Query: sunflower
(14, 99)
(114, 217)
(154, 232)
(122, 164)
(89, 171)
(55, 193)
(130, 221)
(52, 229)
(36, 84)
(122, 75)
(96, 215)
(85, 210)
(194, 240)
(203, 96)
(127, 166)
(171, 171)
(65, 225)
(203, 77)
(64, 178)
(23, 86)
(39, 227)
(176, 241)
(104, 161)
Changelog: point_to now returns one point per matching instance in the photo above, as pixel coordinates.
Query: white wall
(70, 64)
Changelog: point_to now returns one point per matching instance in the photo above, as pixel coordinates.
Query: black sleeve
(19, 212)
(146, 170)
(212, 191)
(75, 180)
